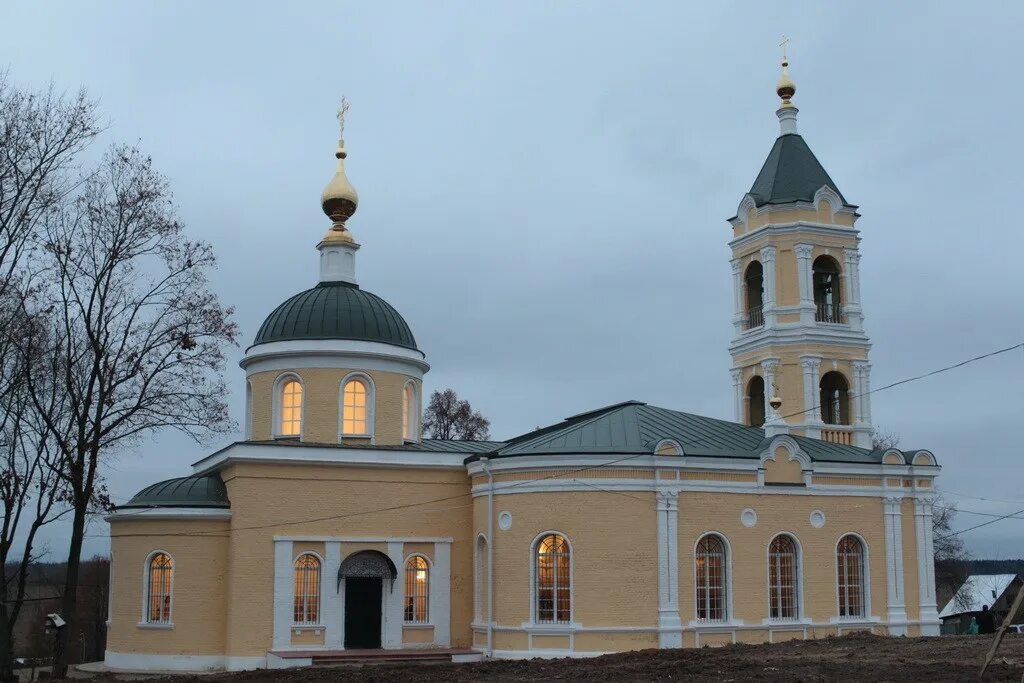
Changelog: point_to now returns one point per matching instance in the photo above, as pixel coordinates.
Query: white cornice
(789, 334)
(327, 455)
(342, 353)
(793, 228)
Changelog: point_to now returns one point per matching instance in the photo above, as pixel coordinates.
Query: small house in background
(997, 591)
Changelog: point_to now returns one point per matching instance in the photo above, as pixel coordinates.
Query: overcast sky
(544, 187)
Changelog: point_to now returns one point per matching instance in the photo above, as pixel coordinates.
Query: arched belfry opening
(827, 292)
(755, 401)
(753, 284)
(835, 399)
(365, 577)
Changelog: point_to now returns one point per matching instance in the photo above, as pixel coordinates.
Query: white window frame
(371, 406)
(413, 434)
(145, 622)
(430, 571)
(798, 567)
(727, 584)
(320, 592)
(278, 399)
(535, 622)
(865, 577)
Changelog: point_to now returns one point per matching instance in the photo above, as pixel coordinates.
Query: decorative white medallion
(748, 518)
(817, 519)
(505, 520)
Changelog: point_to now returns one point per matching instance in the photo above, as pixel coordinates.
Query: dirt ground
(856, 657)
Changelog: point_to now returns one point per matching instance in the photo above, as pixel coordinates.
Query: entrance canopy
(369, 564)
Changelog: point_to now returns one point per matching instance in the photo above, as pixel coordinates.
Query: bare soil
(855, 657)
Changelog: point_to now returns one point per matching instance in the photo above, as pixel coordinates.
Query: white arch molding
(144, 622)
(277, 397)
(371, 404)
(798, 569)
(726, 584)
(865, 576)
(534, 621)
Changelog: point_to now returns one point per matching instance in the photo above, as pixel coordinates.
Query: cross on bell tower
(797, 314)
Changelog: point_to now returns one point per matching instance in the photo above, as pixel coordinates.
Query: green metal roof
(791, 173)
(635, 427)
(199, 491)
(336, 310)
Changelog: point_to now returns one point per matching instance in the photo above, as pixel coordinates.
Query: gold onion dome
(339, 199)
(786, 88)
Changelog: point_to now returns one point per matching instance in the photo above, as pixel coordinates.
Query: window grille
(354, 408)
(782, 578)
(307, 590)
(417, 590)
(553, 581)
(710, 576)
(291, 408)
(161, 573)
(850, 562)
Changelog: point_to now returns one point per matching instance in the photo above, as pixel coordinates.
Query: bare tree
(882, 440)
(41, 137)
(31, 491)
(134, 336)
(449, 417)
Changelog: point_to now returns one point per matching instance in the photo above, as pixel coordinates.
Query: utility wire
(901, 382)
(978, 526)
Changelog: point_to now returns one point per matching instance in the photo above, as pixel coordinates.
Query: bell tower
(799, 333)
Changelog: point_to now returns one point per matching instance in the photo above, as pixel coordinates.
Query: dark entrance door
(362, 612)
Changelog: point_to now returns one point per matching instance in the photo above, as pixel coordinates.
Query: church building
(334, 526)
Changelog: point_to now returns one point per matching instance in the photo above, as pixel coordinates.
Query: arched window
(827, 297)
(850, 579)
(753, 284)
(355, 410)
(755, 401)
(710, 578)
(480, 601)
(417, 590)
(782, 578)
(159, 583)
(290, 423)
(409, 412)
(835, 399)
(554, 602)
(307, 589)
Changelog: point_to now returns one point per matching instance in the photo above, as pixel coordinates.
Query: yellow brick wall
(321, 397)
(266, 494)
(199, 550)
(776, 514)
(614, 542)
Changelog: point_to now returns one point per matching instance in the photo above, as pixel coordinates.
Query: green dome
(200, 491)
(336, 310)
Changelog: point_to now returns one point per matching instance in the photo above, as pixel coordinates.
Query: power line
(978, 526)
(606, 464)
(908, 380)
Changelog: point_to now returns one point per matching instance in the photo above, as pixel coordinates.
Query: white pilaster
(897, 613)
(768, 367)
(284, 600)
(805, 282)
(670, 625)
(737, 392)
(812, 370)
(737, 291)
(851, 278)
(333, 611)
(768, 265)
(926, 567)
(394, 599)
(441, 594)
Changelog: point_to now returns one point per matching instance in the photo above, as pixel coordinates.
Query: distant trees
(118, 334)
(449, 417)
